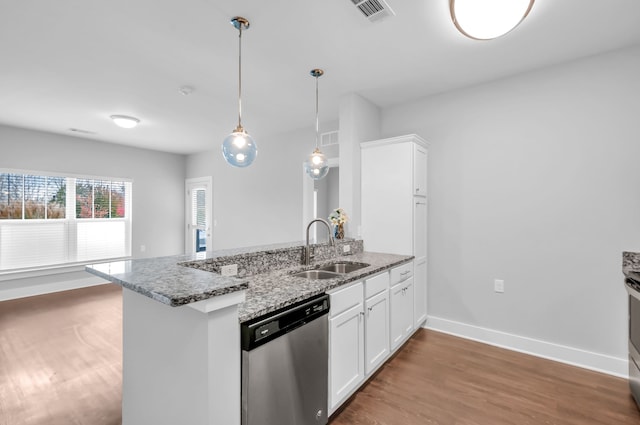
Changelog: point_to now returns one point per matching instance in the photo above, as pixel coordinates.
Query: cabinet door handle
(405, 273)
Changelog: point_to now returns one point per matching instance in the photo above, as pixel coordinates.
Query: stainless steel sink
(343, 267)
(316, 274)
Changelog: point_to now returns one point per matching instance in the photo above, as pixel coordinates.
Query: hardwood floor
(61, 358)
(440, 379)
(60, 363)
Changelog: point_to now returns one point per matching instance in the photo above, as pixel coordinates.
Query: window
(49, 220)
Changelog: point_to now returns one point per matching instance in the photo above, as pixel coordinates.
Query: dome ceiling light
(238, 148)
(317, 165)
(488, 19)
(125, 121)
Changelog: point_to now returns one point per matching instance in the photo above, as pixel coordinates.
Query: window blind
(52, 220)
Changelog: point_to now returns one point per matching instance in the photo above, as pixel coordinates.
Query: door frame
(198, 183)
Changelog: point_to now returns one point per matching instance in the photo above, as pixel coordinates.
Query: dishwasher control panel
(265, 328)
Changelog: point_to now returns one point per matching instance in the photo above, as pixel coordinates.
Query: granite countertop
(164, 280)
(183, 279)
(630, 262)
(631, 265)
(271, 291)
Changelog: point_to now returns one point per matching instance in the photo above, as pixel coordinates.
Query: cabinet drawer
(376, 284)
(343, 299)
(400, 273)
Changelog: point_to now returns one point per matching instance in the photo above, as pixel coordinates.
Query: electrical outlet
(346, 248)
(229, 270)
(498, 285)
(143, 248)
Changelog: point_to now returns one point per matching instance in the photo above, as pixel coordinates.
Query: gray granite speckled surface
(267, 275)
(270, 257)
(630, 262)
(164, 280)
(271, 291)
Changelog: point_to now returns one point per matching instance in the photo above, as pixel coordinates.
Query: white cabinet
(401, 305)
(376, 322)
(419, 170)
(420, 291)
(387, 197)
(346, 343)
(358, 335)
(368, 320)
(420, 262)
(394, 207)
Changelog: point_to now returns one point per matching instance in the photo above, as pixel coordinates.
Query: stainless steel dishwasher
(285, 366)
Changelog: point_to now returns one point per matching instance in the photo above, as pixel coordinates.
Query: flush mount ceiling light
(125, 121)
(238, 148)
(317, 165)
(488, 19)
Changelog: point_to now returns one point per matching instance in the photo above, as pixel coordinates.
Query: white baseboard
(561, 353)
(30, 287)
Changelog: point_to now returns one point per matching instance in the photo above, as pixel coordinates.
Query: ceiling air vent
(374, 10)
(329, 138)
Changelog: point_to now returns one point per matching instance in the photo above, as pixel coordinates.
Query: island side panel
(180, 365)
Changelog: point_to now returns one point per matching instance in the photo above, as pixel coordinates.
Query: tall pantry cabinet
(394, 207)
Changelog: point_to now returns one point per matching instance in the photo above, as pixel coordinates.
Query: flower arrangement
(338, 217)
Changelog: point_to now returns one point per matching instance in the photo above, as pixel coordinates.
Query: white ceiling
(73, 63)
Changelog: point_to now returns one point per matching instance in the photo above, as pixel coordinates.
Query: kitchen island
(181, 320)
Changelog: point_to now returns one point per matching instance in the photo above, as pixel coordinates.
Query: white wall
(328, 191)
(359, 122)
(534, 180)
(158, 187)
(260, 204)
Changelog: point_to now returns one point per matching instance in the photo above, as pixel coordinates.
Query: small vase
(338, 232)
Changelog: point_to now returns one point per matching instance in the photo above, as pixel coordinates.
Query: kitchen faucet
(307, 249)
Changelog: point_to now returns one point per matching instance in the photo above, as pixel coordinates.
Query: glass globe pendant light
(238, 148)
(317, 165)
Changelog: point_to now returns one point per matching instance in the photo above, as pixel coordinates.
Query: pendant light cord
(317, 123)
(240, 77)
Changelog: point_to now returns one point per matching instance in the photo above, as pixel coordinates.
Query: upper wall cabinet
(394, 178)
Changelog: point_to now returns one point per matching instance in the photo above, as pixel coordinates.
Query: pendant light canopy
(488, 19)
(317, 165)
(238, 148)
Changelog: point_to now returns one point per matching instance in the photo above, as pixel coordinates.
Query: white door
(420, 263)
(408, 307)
(420, 291)
(401, 312)
(198, 215)
(376, 330)
(346, 354)
(396, 295)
